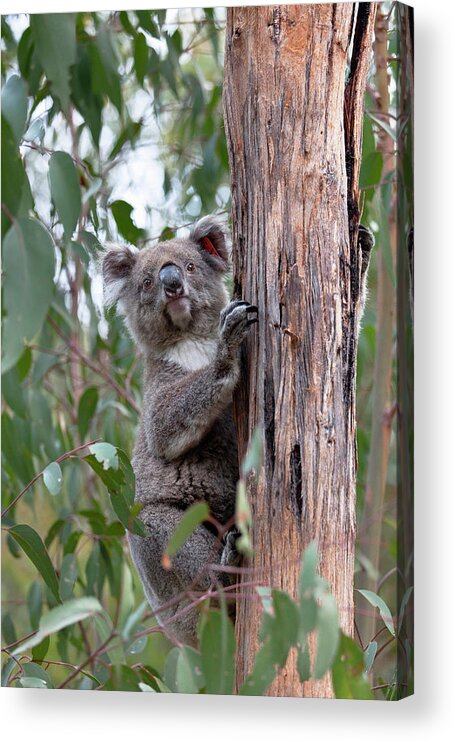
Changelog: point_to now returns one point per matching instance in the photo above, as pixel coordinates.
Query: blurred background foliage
(112, 130)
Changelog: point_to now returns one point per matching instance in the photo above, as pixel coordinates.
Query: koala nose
(171, 278)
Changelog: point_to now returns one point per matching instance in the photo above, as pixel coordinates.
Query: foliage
(112, 131)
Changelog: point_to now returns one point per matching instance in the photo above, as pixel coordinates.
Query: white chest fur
(192, 355)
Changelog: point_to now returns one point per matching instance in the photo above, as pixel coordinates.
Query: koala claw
(235, 320)
(230, 557)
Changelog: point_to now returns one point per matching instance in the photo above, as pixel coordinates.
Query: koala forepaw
(235, 320)
(230, 557)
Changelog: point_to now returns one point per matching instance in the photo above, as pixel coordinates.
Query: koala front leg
(199, 397)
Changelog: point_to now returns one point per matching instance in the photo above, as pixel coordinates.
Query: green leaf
(14, 105)
(243, 520)
(303, 662)
(88, 102)
(53, 478)
(86, 410)
(280, 628)
(27, 681)
(191, 519)
(308, 572)
(13, 393)
(371, 170)
(138, 645)
(123, 678)
(28, 264)
(183, 670)
(13, 177)
(54, 36)
(35, 604)
(140, 57)
(58, 618)
(265, 594)
(253, 458)
(369, 655)
(328, 636)
(218, 653)
(32, 545)
(121, 212)
(65, 190)
(133, 620)
(105, 627)
(8, 630)
(68, 576)
(262, 675)
(39, 652)
(147, 23)
(106, 454)
(35, 131)
(104, 67)
(384, 610)
(120, 483)
(7, 670)
(383, 125)
(348, 672)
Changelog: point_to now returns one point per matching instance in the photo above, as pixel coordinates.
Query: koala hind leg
(189, 571)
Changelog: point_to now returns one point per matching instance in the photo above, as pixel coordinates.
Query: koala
(175, 305)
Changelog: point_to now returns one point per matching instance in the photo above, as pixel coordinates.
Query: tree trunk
(294, 139)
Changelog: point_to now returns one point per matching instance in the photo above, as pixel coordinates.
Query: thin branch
(61, 458)
(88, 660)
(96, 368)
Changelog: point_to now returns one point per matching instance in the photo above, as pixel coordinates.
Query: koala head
(171, 290)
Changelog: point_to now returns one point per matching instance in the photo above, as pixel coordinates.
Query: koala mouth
(175, 295)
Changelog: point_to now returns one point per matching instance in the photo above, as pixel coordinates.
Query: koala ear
(118, 262)
(209, 235)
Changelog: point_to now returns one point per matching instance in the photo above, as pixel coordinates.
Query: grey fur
(186, 448)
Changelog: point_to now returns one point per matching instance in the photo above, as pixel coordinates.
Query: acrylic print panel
(207, 221)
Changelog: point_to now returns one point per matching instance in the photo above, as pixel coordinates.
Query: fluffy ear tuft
(118, 262)
(209, 235)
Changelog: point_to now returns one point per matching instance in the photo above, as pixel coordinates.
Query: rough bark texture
(295, 218)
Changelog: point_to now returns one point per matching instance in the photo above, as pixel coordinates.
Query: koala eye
(191, 267)
(146, 283)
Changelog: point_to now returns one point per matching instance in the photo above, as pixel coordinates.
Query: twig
(88, 660)
(95, 367)
(61, 458)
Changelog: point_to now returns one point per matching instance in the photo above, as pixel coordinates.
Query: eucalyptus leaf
(53, 478)
(28, 264)
(68, 576)
(106, 454)
(65, 190)
(328, 636)
(54, 36)
(31, 543)
(14, 105)
(191, 519)
(58, 618)
(217, 648)
(384, 610)
(348, 677)
(369, 655)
